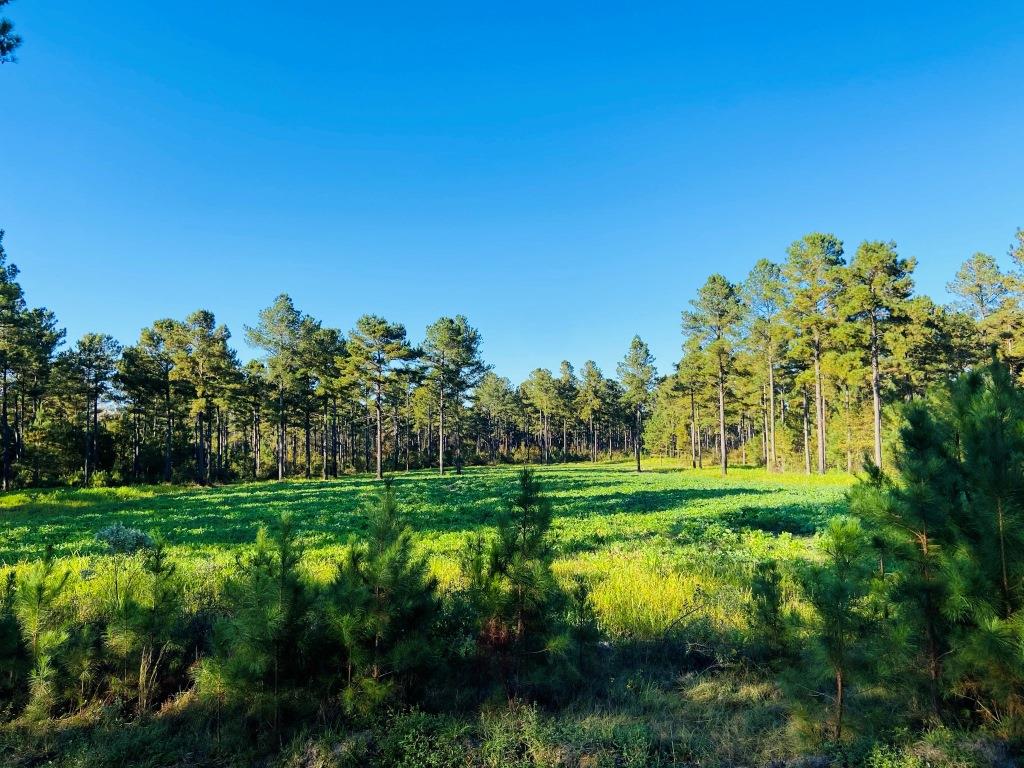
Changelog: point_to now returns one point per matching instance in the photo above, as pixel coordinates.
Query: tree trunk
(636, 438)
(440, 431)
(721, 422)
(693, 431)
(772, 451)
(380, 431)
(281, 439)
(807, 437)
(308, 425)
(168, 435)
(876, 395)
(5, 436)
(819, 409)
(839, 705)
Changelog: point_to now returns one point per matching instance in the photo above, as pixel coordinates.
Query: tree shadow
(329, 512)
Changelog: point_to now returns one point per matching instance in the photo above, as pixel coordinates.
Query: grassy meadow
(668, 556)
(648, 543)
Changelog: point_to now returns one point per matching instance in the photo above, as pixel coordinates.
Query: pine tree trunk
(819, 409)
(721, 422)
(876, 396)
(380, 431)
(807, 437)
(440, 431)
(308, 425)
(636, 439)
(281, 446)
(5, 436)
(168, 436)
(839, 705)
(773, 452)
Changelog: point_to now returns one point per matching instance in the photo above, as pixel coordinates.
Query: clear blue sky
(565, 174)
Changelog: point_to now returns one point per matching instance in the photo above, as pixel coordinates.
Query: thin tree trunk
(721, 423)
(839, 705)
(636, 438)
(807, 437)
(819, 410)
(309, 454)
(281, 446)
(168, 436)
(773, 452)
(380, 431)
(876, 396)
(440, 431)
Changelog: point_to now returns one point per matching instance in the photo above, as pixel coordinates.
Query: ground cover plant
(687, 619)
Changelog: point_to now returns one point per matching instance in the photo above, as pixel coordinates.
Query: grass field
(652, 545)
(668, 554)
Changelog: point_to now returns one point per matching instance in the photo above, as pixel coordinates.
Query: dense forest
(795, 366)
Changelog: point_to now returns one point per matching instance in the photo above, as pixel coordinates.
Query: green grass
(596, 507)
(668, 555)
(654, 546)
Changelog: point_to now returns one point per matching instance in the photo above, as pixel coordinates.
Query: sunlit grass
(664, 550)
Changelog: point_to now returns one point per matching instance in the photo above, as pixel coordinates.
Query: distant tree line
(794, 367)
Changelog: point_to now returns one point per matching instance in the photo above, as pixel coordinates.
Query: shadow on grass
(331, 511)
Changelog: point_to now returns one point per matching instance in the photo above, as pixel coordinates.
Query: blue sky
(565, 174)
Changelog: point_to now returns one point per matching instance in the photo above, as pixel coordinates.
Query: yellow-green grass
(655, 546)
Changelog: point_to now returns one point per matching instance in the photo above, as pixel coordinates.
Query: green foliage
(13, 652)
(36, 607)
(838, 653)
(121, 540)
(951, 520)
(10, 41)
(381, 611)
(657, 588)
(517, 591)
(257, 660)
(768, 611)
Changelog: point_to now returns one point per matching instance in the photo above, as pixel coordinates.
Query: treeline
(908, 616)
(793, 367)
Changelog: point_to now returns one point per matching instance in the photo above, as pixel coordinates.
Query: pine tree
(813, 285)
(566, 389)
(36, 607)
(10, 41)
(878, 284)
(278, 334)
(713, 324)
(454, 367)
(374, 348)
(764, 296)
(495, 399)
(918, 516)
(520, 563)
(90, 368)
(637, 376)
(838, 590)
(381, 609)
(691, 376)
(590, 401)
(989, 410)
(257, 663)
(14, 661)
(541, 392)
